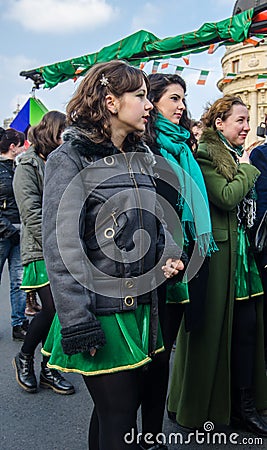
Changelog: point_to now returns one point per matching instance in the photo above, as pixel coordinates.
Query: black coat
(167, 185)
(9, 213)
(258, 158)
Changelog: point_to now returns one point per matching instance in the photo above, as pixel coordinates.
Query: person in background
(11, 145)
(28, 189)
(258, 157)
(103, 241)
(169, 137)
(197, 129)
(219, 372)
(32, 306)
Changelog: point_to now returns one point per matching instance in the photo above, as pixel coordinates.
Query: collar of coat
(30, 157)
(80, 139)
(218, 153)
(7, 161)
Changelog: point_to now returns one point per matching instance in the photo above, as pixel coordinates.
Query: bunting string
(203, 73)
(158, 66)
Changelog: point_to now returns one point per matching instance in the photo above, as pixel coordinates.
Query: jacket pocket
(220, 235)
(107, 232)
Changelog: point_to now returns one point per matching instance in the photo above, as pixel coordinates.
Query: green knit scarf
(192, 202)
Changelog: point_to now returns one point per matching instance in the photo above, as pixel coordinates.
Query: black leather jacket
(103, 235)
(9, 213)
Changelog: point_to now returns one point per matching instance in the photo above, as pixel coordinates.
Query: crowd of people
(135, 227)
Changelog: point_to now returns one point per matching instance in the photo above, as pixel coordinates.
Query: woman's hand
(92, 351)
(172, 267)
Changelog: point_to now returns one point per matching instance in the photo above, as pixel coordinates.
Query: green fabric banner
(143, 46)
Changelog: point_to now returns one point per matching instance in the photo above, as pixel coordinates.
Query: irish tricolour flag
(229, 77)
(203, 77)
(261, 81)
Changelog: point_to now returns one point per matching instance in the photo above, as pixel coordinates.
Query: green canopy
(143, 46)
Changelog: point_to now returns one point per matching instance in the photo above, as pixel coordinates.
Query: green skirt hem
(30, 288)
(178, 303)
(248, 297)
(34, 275)
(100, 372)
(127, 345)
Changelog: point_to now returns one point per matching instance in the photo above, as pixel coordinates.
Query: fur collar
(218, 153)
(80, 139)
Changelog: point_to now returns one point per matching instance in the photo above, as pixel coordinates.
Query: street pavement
(49, 421)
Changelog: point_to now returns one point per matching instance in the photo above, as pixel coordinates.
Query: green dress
(34, 275)
(126, 345)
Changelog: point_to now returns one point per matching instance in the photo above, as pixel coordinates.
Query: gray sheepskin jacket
(104, 237)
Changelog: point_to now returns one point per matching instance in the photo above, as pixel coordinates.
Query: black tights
(40, 324)
(117, 397)
(243, 343)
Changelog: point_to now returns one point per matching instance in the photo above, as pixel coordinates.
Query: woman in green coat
(219, 371)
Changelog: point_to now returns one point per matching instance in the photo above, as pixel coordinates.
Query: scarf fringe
(205, 242)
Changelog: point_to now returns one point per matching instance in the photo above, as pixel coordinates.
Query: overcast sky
(36, 33)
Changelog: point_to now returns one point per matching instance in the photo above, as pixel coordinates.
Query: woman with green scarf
(180, 183)
(219, 372)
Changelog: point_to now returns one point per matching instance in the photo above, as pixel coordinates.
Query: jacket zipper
(131, 173)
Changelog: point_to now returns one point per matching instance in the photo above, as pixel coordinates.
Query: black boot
(18, 333)
(25, 375)
(52, 379)
(25, 325)
(244, 412)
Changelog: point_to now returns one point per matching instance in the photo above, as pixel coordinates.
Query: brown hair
(87, 109)
(10, 136)
(46, 135)
(159, 83)
(221, 108)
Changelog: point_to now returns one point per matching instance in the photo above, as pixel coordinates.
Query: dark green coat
(28, 189)
(201, 378)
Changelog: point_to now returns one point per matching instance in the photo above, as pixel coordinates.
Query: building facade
(247, 62)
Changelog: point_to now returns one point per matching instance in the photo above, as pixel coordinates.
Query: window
(235, 66)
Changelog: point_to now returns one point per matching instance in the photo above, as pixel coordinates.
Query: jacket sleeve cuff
(82, 337)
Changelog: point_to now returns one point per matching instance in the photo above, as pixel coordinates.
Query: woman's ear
(111, 103)
(12, 147)
(219, 123)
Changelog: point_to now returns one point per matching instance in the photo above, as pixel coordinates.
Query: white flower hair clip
(104, 80)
